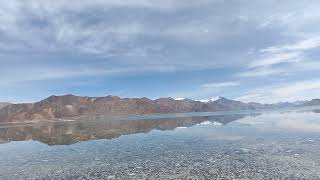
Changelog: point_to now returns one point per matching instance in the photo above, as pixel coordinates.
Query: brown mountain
(57, 107)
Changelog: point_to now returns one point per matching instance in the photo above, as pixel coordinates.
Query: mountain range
(71, 106)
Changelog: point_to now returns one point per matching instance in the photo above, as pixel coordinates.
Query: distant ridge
(71, 106)
(313, 102)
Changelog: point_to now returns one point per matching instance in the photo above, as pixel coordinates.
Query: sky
(261, 51)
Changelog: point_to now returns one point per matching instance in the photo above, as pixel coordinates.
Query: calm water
(238, 145)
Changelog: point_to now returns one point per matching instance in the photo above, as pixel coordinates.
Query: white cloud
(17, 77)
(285, 18)
(291, 56)
(261, 72)
(293, 91)
(221, 84)
(304, 44)
(298, 88)
(208, 91)
(152, 36)
(299, 68)
(277, 59)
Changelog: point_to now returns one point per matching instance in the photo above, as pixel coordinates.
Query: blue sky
(263, 51)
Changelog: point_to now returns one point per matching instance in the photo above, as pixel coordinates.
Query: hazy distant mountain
(70, 106)
(3, 104)
(224, 104)
(313, 102)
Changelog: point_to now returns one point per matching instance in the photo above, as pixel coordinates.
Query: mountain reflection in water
(64, 133)
(282, 144)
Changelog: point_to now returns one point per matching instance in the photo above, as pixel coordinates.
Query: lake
(273, 144)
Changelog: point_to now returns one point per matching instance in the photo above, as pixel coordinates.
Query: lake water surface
(232, 145)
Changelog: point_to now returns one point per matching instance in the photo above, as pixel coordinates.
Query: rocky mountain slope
(3, 104)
